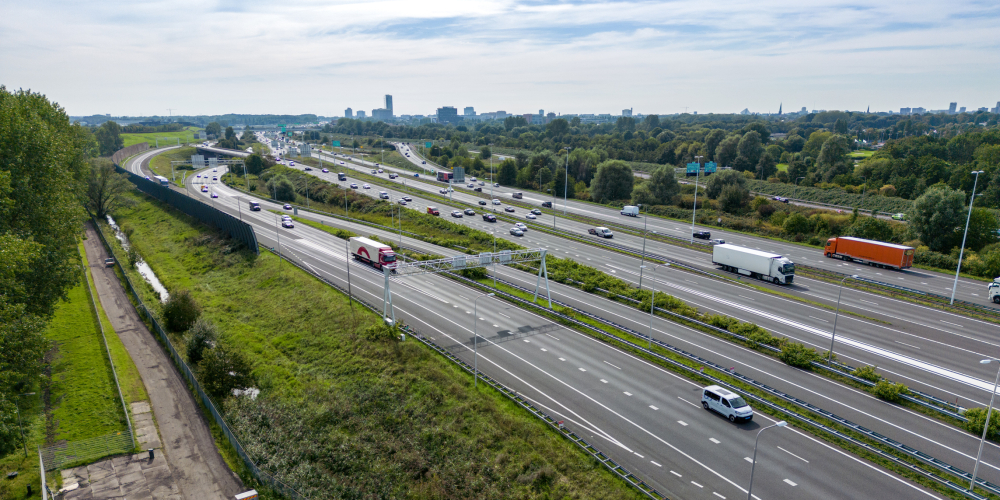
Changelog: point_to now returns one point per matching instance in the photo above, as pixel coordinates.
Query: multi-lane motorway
(647, 419)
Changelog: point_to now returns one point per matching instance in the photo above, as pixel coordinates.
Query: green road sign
(428, 144)
(335, 144)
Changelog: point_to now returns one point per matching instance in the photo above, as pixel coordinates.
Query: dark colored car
(703, 235)
(482, 202)
(478, 190)
(508, 209)
(489, 218)
(469, 211)
(547, 204)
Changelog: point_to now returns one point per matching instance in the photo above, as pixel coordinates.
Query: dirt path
(197, 466)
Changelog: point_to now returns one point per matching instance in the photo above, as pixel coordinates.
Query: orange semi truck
(873, 253)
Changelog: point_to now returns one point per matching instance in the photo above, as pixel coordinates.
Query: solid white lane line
(792, 454)
(952, 324)
(908, 345)
(628, 393)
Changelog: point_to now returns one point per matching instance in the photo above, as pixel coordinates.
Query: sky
(142, 58)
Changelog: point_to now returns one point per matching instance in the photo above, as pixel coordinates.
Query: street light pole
(694, 212)
(565, 185)
(829, 360)
(652, 302)
(475, 337)
(966, 233)
(642, 261)
(17, 409)
(347, 249)
(982, 441)
(753, 464)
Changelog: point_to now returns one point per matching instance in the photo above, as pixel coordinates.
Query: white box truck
(372, 252)
(754, 263)
(630, 211)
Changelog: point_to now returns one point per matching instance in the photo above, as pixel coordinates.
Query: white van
(727, 403)
(630, 210)
(384, 195)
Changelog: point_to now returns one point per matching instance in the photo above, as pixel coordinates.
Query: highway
(804, 323)
(645, 418)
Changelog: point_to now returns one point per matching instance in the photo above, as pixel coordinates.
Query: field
(346, 410)
(186, 136)
(160, 164)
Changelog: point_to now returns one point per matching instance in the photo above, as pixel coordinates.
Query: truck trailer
(873, 253)
(372, 252)
(754, 263)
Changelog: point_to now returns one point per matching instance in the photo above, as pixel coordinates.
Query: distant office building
(951, 108)
(997, 109)
(904, 111)
(803, 110)
(528, 117)
(627, 112)
(469, 111)
(549, 117)
(382, 114)
(502, 115)
(448, 114)
(361, 113)
(962, 109)
(388, 104)
(918, 111)
(348, 113)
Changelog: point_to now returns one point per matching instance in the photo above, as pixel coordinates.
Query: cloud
(565, 56)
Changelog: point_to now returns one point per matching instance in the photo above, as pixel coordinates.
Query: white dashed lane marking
(682, 423)
(789, 481)
(628, 393)
(716, 441)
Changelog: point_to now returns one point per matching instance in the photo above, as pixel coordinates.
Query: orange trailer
(873, 253)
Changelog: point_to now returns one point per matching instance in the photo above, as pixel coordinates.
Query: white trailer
(754, 263)
(372, 252)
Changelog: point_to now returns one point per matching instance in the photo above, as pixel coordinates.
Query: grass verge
(344, 409)
(185, 136)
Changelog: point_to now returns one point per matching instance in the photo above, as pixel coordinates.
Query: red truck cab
(433, 211)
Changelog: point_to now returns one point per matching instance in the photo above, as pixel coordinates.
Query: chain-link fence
(85, 450)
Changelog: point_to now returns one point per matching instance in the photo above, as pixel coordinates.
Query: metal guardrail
(188, 375)
(907, 450)
(592, 450)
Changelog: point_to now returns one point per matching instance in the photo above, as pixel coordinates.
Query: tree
(224, 369)
(557, 127)
(749, 149)
(521, 159)
(512, 122)
(180, 311)
(43, 165)
(613, 181)
(733, 198)
(651, 122)
(214, 129)
(840, 126)
(507, 172)
(625, 124)
(796, 224)
(485, 153)
(938, 215)
(281, 188)
(763, 133)
(766, 167)
(726, 151)
(871, 228)
(642, 195)
(719, 180)
(983, 226)
(106, 189)
(561, 183)
(201, 336)
(794, 143)
(832, 160)
(712, 141)
(254, 164)
(109, 138)
(663, 185)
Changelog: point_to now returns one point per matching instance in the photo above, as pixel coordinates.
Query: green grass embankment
(166, 138)
(345, 410)
(160, 164)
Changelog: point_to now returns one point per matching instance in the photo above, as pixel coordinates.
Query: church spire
(779, 108)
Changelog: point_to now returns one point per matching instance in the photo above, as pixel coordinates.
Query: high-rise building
(502, 115)
(361, 113)
(904, 111)
(997, 109)
(962, 109)
(549, 117)
(382, 114)
(627, 112)
(918, 111)
(349, 113)
(951, 108)
(448, 114)
(469, 111)
(388, 104)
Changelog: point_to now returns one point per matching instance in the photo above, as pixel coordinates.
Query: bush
(180, 311)
(201, 336)
(476, 273)
(223, 370)
(889, 391)
(798, 355)
(977, 418)
(379, 332)
(868, 373)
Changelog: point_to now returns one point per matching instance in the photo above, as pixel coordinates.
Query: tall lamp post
(986, 427)
(553, 206)
(565, 184)
(642, 260)
(829, 359)
(652, 301)
(491, 171)
(753, 464)
(694, 211)
(475, 337)
(17, 409)
(966, 233)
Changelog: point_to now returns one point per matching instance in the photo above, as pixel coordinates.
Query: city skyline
(655, 57)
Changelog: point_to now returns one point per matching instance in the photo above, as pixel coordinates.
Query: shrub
(977, 418)
(867, 372)
(180, 311)
(379, 332)
(223, 370)
(201, 336)
(476, 273)
(889, 391)
(798, 355)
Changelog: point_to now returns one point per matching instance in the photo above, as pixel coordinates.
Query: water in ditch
(141, 266)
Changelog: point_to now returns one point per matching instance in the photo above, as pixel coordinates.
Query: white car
(287, 223)
(496, 201)
(531, 216)
(470, 185)
(380, 171)
(521, 226)
(215, 170)
(366, 186)
(516, 231)
(727, 403)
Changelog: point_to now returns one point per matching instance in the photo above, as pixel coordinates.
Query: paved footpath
(197, 468)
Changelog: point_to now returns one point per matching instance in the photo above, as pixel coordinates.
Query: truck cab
(254, 206)
(994, 291)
